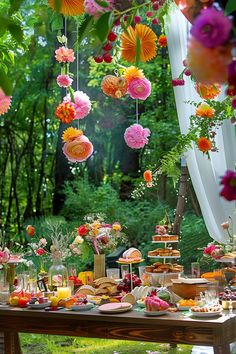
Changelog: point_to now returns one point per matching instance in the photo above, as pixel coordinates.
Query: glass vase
(57, 275)
(99, 266)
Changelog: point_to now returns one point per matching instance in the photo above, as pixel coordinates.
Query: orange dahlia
(70, 134)
(162, 41)
(132, 72)
(113, 86)
(65, 112)
(213, 62)
(138, 43)
(69, 7)
(204, 144)
(205, 111)
(208, 92)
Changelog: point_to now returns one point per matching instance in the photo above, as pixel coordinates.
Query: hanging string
(66, 42)
(137, 113)
(77, 65)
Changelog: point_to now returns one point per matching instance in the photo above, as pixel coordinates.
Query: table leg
(12, 343)
(222, 349)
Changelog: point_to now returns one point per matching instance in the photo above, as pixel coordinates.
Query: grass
(48, 344)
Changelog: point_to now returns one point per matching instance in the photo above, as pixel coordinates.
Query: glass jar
(57, 275)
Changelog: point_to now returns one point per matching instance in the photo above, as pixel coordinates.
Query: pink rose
(209, 249)
(4, 256)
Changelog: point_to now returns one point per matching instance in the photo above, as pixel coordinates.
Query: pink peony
(5, 102)
(139, 88)
(64, 55)
(82, 104)
(78, 150)
(64, 81)
(136, 136)
(92, 8)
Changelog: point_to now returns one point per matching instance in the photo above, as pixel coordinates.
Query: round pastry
(132, 253)
(156, 238)
(173, 237)
(176, 253)
(149, 269)
(154, 303)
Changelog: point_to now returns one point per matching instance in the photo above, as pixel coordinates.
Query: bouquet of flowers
(217, 250)
(100, 236)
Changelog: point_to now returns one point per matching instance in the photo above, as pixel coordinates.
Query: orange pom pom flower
(138, 43)
(162, 41)
(78, 150)
(204, 144)
(69, 7)
(147, 175)
(71, 134)
(208, 92)
(65, 112)
(205, 111)
(213, 62)
(113, 86)
(132, 73)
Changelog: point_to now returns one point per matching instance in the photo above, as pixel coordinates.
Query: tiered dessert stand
(130, 263)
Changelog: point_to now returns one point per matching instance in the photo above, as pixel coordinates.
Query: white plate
(206, 314)
(115, 307)
(163, 257)
(155, 313)
(84, 307)
(39, 306)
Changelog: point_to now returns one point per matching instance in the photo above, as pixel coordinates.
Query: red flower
(162, 41)
(30, 230)
(204, 144)
(82, 230)
(207, 250)
(40, 251)
(229, 183)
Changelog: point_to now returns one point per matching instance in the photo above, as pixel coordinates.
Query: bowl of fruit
(125, 284)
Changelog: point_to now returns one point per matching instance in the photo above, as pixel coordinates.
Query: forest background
(38, 184)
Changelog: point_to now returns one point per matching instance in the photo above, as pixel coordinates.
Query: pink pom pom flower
(136, 136)
(5, 102)
(139, 88)
(82, 104)
(78, 150)
(92, 8)
(64, 81)
(64, 55)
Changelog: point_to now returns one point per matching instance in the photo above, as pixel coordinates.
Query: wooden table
(175, 328)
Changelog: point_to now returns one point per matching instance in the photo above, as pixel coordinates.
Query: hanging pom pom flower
(208, 92)
(64, 55)
(139, 88)
(147, 175)
(94, 9)
(205, 111)
(65, 112)
(70, 134)
(162, 41)
(64, 81)
(132, 72)
(115, 87)
(81, 104)
(211, 28)
(138, 43)
(78, 150)
(214, 62)
(5, 102)
(229, 185)
(69, 7)
(204, 144)
(136, 136)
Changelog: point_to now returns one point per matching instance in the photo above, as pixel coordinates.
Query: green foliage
(230, 7)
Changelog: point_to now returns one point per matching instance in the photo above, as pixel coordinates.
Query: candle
(63, 292)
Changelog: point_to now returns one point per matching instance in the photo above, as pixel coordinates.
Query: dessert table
(174, 328)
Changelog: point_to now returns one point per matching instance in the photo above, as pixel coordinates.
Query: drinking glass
(212, 293)
(195, 269)
(4, 290)
(113, 273)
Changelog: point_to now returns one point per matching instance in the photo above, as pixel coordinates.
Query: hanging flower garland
(76, 105)
(68, 7)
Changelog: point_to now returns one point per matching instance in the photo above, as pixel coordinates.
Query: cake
(131, 255)
(154, 304)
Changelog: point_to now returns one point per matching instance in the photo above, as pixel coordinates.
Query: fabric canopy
(205, 173)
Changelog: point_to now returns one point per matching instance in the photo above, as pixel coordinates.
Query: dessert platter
(206, 311)
(154, 306)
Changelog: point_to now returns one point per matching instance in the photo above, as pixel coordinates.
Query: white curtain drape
(205, 173)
